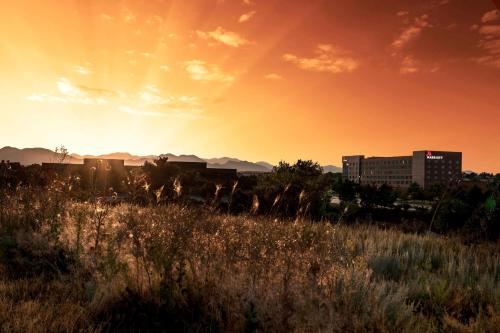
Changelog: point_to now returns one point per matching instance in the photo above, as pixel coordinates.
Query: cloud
(489, 60)
(328, 59)
(490, 16)
(164, 68)
(223, 36)
(82, 70)
(149, 101)
(492, 46)
(490, 31)
(409, 65)
(489, 40)
(201, 71)
(107, 17)
(246, 17)
(69, 93)
(411, 32)
(150, 96)
(273, 76)
(137, 112)
(67, 88)
(179, 112)
(128, 16)
(154, 19)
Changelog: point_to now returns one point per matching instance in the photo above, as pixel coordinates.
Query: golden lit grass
(34, 305)
(187, 269)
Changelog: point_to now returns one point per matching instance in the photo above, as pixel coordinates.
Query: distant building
(423, 167)
(188, 166)
(62, 168)
(103, 174)
(10, 165)
(215, 174)
(220, 174)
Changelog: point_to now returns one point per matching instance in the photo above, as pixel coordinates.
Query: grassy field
(68, 266)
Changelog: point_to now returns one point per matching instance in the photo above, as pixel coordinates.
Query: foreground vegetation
(84, 266)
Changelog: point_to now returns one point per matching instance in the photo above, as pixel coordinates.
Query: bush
(34, 258)
(386, 267)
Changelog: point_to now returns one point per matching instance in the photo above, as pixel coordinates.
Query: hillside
(28, 156)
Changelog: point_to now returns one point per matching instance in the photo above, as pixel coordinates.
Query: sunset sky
(254, 79)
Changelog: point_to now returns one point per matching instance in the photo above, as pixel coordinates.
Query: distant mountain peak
(28, 156)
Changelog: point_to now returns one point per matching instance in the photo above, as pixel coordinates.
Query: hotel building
(423, 167)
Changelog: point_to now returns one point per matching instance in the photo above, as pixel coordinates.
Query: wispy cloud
(128, 16)
(327, 59)
(247, 16)
(107, 17)
(149, 101)
(202, 71)
(152, 102)
(489, 39)
(82, 70)
(411, 32)
(70, 93)
(273, 76)
(164, 68)
(493, 15)
(490, 31)
(223, 36)
(409, 65)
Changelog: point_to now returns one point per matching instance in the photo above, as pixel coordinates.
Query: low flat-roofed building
(395, 171)
(188, 166)
(220, 174)
(10, 165)
(65, 169)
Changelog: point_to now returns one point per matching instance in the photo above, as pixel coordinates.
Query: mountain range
(28, 156)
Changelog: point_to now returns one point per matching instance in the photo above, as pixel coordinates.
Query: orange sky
(254, 79)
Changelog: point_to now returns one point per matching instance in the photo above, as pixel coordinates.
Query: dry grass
(175, 268)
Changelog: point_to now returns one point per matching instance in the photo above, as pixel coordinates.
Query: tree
(415, 192)
(368, 195)
(61, 154)
(160, 173)
(292, 190)
(345, 189)
(385, 196)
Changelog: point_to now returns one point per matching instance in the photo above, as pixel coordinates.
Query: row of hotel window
(428, 172)
(388, 177)
(387, 162)
(402, 182)
(431, 162)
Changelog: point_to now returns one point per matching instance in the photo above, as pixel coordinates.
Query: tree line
(293, 191)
